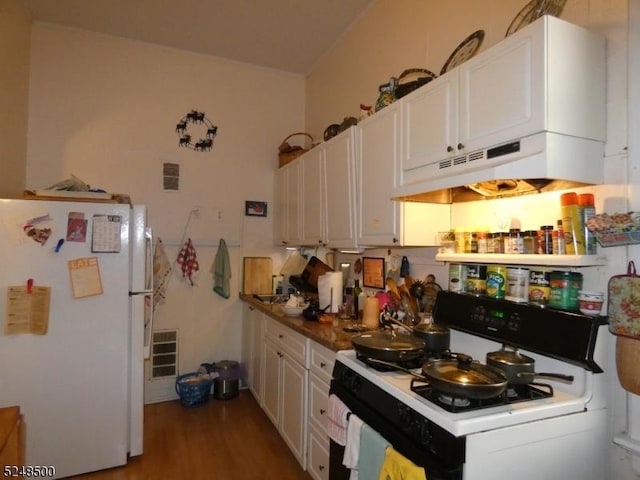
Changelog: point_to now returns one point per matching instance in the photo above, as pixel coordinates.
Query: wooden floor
(221, 440)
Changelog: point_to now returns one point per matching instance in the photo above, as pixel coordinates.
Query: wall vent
(162, 368)
(171, 177)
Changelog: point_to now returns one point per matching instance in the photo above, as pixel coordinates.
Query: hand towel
(373, 448)
(161, 273)
(188, 261)
(352, 446)
(337, 420)
(221, 270)
(398, 467)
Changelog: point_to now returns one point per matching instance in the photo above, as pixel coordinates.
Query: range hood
(539, 163)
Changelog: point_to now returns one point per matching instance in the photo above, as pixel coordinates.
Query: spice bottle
(515, 241)
(588, 210)
(530, 241)
(545, 245)
(572, 223)
(483, 242)
(559, 247)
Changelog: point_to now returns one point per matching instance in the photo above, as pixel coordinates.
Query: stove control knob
(478, 314)
(426, 437)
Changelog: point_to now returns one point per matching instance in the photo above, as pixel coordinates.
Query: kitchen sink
(274, 298)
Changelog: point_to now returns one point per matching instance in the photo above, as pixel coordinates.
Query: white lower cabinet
(252, 341)
(286, 378)
(321, 366)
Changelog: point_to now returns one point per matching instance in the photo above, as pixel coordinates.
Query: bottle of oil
(572, 223)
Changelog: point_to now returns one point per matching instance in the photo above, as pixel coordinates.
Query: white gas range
(554, 436)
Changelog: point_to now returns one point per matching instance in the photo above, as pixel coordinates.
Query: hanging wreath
(198, 119)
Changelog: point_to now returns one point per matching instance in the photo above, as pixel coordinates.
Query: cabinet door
(256, 377)
(502, 92)
(430, 123)
(272, 392)
(288, 229)
(318, 461)
(312, 198)
(378, 171)
(294, 407)
(340, 188)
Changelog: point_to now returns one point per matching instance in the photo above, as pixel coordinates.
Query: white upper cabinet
(546, 77)
(382, 221)
(312, 195)
(287, 200)
(340, 190)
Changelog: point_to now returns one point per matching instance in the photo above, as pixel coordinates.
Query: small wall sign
(255, 209)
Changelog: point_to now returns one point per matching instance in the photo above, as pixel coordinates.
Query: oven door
(409, 436)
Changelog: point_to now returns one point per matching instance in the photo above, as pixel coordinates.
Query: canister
(517, 289)
(539, 286)
(457, 277)
(496, 281)
(476, 279)
(564, 288)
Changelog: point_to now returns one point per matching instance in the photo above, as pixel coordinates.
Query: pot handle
(557, 376)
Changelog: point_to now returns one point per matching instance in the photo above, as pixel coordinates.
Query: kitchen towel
(221, 270)
(397, 467)
(188, 261)
(161, 273)
(330, 291)
(373, 448)
(352, 446)
(337, 420)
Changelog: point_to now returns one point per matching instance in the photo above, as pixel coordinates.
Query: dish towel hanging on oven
(373, 447)
(337, 420)
(398, 467)
(188, 261)
(352, 446)
(221, 270)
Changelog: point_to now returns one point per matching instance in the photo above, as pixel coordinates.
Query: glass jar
(515, 242)
(530, 241)
(483, 242)
(545, 245)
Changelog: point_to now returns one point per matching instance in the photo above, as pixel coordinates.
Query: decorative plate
(534, 10)
(464, 51)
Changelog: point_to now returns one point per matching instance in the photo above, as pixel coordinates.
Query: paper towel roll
(330, 291)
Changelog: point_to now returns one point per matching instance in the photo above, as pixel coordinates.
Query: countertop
(330, 335)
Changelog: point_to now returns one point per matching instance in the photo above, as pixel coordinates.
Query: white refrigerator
(76, 371)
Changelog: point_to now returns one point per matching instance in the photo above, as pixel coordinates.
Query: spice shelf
(524, 259)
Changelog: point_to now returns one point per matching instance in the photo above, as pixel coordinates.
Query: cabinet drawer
(293, 343)
(318, 455)
(318, 401)
(322, 360)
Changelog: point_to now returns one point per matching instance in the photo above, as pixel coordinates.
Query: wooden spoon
(393, 288)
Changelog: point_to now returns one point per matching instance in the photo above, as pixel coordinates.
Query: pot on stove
(519, 368)
(436, 337)
(463, 377)
(388, 346)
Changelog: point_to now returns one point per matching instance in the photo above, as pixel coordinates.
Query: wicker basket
(193, 391)
(288, 153)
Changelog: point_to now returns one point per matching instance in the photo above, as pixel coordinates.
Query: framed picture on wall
(255, 209)
(373, 272)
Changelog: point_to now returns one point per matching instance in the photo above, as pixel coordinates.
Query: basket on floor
(192, 390)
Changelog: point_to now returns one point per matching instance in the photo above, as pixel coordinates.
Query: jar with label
(515, 242)
(483, 242)
(473, 246)
(530, 241)
(457, 277)
(496, 281)
(545, 244)
(517, 289)
(564, 288)
(498, 242)
(539, 286)
(476, 279)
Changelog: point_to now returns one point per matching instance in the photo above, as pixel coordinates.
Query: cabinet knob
(322, 364)
(281, 336)
(460, 146)
(322, 411)
(449, 149)
(321, 467)
(395, 240)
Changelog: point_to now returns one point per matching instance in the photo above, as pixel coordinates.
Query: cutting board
(256, 275)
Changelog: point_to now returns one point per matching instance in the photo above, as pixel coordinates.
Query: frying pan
(388, 346)
(519, 368)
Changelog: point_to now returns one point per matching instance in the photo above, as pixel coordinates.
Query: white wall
(105, 109)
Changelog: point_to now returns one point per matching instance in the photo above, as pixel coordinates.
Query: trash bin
(225, 385)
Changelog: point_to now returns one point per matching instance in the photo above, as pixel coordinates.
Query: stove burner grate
(455, 404)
